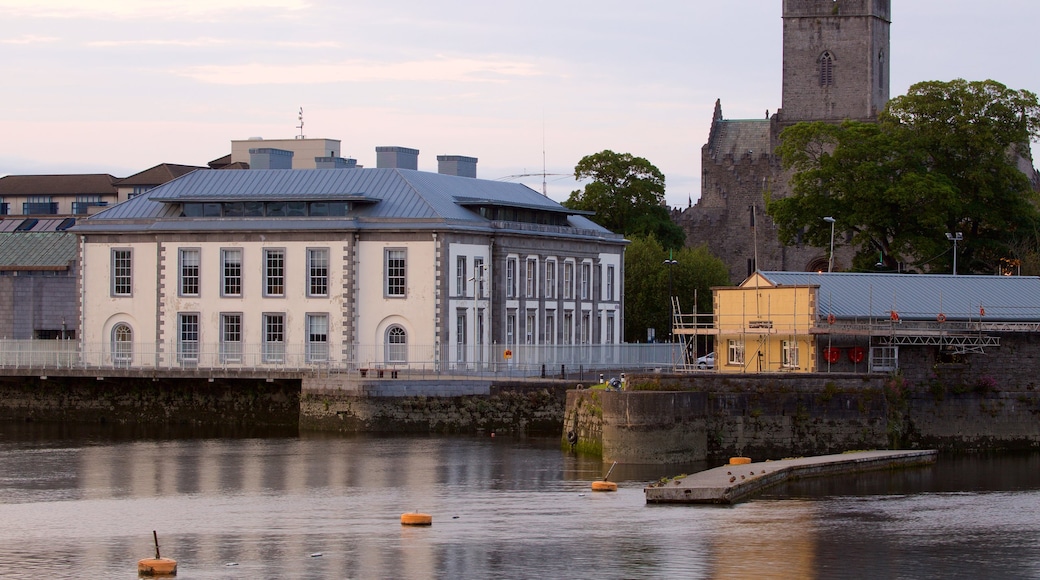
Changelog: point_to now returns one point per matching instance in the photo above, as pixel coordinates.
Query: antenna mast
(545, 192)
(300, 126)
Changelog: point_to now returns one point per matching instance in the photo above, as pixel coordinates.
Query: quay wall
(709, 417)
(445, 407)
(169, 401)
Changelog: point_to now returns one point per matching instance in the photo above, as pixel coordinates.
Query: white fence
(520, 360)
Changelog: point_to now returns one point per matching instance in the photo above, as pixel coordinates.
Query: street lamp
(955, 237)
(830, 259)
(671, 305)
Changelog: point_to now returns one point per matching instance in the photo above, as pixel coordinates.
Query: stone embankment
(710, 417)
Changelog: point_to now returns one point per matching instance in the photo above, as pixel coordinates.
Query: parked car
(707, 361)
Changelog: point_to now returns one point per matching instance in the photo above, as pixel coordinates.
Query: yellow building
(765, 327)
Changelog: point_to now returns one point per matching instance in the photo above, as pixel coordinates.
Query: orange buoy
(157, 567)
(739, 460)
(416, 519)
(604, 486)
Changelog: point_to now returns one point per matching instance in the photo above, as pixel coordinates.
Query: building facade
(346, 268)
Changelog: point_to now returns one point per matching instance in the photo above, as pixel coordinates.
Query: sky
(529, 88)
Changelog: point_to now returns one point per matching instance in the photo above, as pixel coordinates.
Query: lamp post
(954, 237)
(830, 258)
(671, 305)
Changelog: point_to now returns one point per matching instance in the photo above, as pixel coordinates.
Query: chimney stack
(458, 165)
(393, 157)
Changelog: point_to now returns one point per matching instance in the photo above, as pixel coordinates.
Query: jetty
(735, 482)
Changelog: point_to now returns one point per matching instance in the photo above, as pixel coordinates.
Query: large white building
(346, 268)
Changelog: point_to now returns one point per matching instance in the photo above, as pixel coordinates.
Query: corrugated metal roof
(919, 296)
(397, 195)
(37, 250)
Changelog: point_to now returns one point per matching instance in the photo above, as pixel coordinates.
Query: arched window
(826, 69)
(122, 344)
(396, 345)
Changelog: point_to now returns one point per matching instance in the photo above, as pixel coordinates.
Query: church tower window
(826, 70)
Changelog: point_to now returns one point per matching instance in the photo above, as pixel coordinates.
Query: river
(82, 502)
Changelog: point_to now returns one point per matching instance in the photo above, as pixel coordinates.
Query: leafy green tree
(627, 194)
(647, 304)
(942, 158)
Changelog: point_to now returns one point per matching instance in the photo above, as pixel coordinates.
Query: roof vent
(393, 157)
(459, 165)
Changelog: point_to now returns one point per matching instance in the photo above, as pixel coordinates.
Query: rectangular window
(318, 272)
(460, 275)
(550, 279)
(231, 338)
(568, 327)
(789, 354)
(317, 337)
(274, 338)
(586, 328)
(478, 275)
(189, 274)
(610, 282)
(609, 338)
(122, 272)
(550, 327)
(529, 329)
(231, 272)
(274, 272)
(531, 281)
(586, 281)
(735, 352)
(510, 328)
(511, 278)
(188, 338)
(568, 280)
(460, 336)
(395, 273)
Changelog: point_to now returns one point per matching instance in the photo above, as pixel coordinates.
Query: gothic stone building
(836, 63)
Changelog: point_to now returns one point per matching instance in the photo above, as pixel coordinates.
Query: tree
(942, 158)
(627, 194)
(646, 285)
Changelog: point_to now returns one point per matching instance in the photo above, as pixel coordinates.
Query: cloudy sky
(117, 86)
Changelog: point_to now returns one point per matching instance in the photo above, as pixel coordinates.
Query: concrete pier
(732, 483)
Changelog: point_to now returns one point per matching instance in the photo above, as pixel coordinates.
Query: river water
(78, 502)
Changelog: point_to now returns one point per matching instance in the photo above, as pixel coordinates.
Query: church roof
(739, 138)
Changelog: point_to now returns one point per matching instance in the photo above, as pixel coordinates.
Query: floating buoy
(739, 460)
(416, 519)
(604, 486)
(157, 566)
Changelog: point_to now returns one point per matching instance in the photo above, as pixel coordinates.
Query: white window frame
(395, 272)
(188, 337)
(122, 344)
(188, 272)
(231, 271)
(789, 354)
(531, 278)
(586, 280)
(230, 337)
(460, 276)
(274, 272)
(318, 266)
(122, 272)
(396, 345)
(511, 266)
(317, 337)
(735, 352)
(550, 279)
(610, 282)
(568, 280)
(274, 337)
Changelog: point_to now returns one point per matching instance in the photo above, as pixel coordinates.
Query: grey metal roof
(397, 196)
(37, 250)
(919, 296)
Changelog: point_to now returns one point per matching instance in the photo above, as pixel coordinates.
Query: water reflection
(88, 500)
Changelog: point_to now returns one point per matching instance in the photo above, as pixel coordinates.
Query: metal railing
(413, 360)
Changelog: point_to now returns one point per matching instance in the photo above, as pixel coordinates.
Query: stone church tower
(835, 68)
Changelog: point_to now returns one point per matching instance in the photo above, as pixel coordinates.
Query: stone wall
(524, 408)
(772, 417)
(238, 402)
